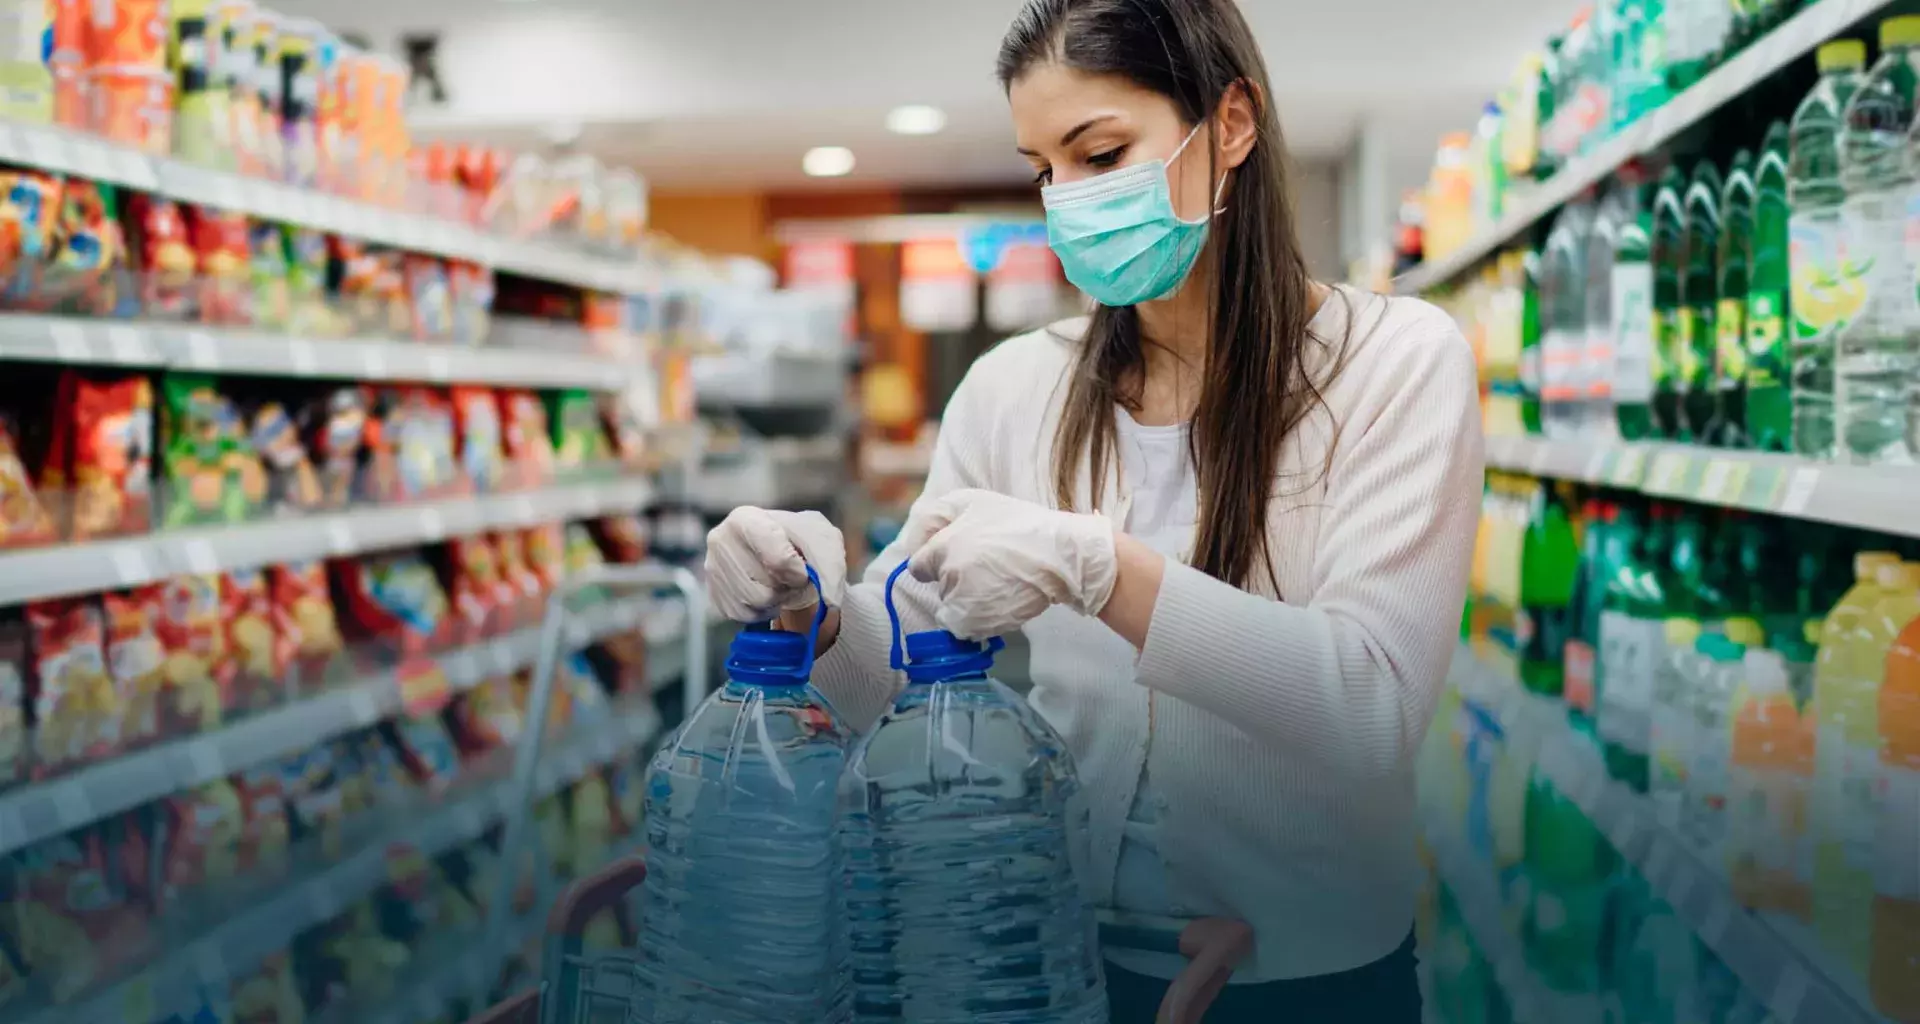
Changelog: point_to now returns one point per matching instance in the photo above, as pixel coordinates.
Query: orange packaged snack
(199, 665)
(247, 612)
(303, 622)
(131, 106)
(76, 714)
(127, 34)
(136, 661)
(547, 554)
(100, 467)
(523, 582)
(223, 254)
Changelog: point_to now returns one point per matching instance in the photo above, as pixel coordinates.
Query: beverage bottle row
(1757, 680)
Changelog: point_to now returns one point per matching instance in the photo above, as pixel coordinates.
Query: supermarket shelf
(69, 569)
(1476, 890)
(238, 945)
(1793, 40)
(65, 152)
(782, 380)
(41, 811)
(1770, 961)
(75, 340)
(1880, 498)
(775, 472)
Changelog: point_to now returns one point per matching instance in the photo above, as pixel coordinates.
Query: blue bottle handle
(819, 616)
(898, 658)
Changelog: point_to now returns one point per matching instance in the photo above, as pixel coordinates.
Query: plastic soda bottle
(1669, 255)
(1769, 778)
(1769, 417)
(1828, 286)
(1728, 428)
(1700, 293)
(1548, 562)
(1630, 295)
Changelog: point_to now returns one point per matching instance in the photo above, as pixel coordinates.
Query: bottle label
(1896, 863)
(1671, 330)
(1633, 331)
(1577, 687)
(1829, 286)
(1877, 226)
(1730, 348)
(1695, 348)
(1630, 648)
(1766, 337)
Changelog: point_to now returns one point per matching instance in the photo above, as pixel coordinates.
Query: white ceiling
(729, 93)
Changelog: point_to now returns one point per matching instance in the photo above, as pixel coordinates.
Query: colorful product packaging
(136, 662)
(293, 484)
(76, 712)
(163, 257)
(223, 253)
(200, 664)
(303, 622)
(247, 612)
(211, 469)
(99, 465)
(336, 428)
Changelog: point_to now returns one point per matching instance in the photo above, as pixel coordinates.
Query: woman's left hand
(1000, 561)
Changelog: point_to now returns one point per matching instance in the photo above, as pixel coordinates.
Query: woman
(1232, 511)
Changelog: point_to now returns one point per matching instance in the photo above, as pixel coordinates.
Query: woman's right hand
(757, 563)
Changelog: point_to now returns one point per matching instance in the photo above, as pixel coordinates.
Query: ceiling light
(916, 120)
(828, 162)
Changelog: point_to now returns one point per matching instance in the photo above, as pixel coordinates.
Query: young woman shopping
(1232, 511)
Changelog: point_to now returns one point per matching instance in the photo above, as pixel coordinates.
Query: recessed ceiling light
(828, 162)
(916, 120)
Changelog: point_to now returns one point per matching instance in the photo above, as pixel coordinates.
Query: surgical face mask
(1118, 237)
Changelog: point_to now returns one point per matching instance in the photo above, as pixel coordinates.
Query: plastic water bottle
(1876, 361)
(1563, 309)
(964, 834)
(742, 918)
(1826, 296)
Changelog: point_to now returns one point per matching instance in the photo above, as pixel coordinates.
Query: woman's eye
(1107, 159)
(1045, 177)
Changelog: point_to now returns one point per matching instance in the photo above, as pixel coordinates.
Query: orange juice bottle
(1893, 973)
(1770, 773)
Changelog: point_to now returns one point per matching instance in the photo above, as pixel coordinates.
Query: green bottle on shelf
(1735, 273)
(1694, 605)
(1600, 554)
(1549, 559)
(1669, 254)
(1567, 867)
(1769, 420)
(1635, 349)
(1531, 353)
(1699, 287)
(1632, 643)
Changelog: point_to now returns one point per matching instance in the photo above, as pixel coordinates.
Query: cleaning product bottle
(1845, 698)
(1829, 290)
(1876, 350)
(1548, 562)
(1892, 977)
(1735, 259)
(1699, 287)
(1631, 295)
(1769, 420)
(1670, 316)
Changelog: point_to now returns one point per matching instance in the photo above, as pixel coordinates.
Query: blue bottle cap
(769, 657)
(936, 655)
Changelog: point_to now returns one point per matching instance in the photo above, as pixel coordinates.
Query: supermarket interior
(375, 373)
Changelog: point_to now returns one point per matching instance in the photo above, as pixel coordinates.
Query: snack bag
(546, 548)
(103, 459)
(529, 445)
(270, 995)
(623, 427)
(265, 831)
(303, 623)
(316, 797)
(223, 256)
(430, 296)
(524, 583)
(337, 428)
(412, 446)
(24, 518)
(293, 485)
(29, 206)
(582, 554)
(89, 250)
(212, 471)
(269, 277)
(481, 596)
(13, 714)
(136, 661)
(203, 829)
(472, 291)
(306, 260)
(426, 750)
(392, 302)
(396, 603)
(247, 608)
(488, 716)
(355, 274)
(200, 665)
(164, 258)
(577, 440)
(76, 713)
(477, 414)
(77, 906)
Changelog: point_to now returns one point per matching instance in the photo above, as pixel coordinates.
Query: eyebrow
(1078, 130)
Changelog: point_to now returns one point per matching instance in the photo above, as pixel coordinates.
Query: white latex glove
(1000, 561)
(757, 562)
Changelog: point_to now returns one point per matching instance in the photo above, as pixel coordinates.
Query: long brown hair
(1254, 389)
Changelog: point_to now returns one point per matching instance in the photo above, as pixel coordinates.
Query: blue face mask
(1117, 236)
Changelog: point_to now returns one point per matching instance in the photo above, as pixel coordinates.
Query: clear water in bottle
(1563, 315)
(1875, 358)
(742, 917)
(964, 833)
(1827, 294)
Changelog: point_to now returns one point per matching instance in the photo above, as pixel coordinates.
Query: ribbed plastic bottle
(964, 834)
(742, 917)
(1828, 291)
(1877, 350)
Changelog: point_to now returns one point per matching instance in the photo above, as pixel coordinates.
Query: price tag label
(1596, 468)
(128, 345)
(1628, 468)
(1538, 455)
(202, 353)
(199, 557)
(1668, 475)
(71, 805)
(306, 362)
(130, 564)
(1800, 489)
(373, 359)
(70, 342)
(340, 537)
(132, 168)
(46, 150)
(1789, 992)
(432, 526)
(1725, 482)
(206, 760)
(439, 366)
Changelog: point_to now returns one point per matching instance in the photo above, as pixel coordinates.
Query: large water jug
(963, 831)
(741, 917)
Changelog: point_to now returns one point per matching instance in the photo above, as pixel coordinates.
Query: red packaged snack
(265, 831)
(223, 254)
(547, 554)
(102, 455)
(481, 596)
(163, 256)
(524, 583)
(13, 704)
(80, 905)
(623, 539)
(482, 462)
(247, 609)
(200, 668)
(24, 518)
(337, 431)
(76, 714)
(137, 661)
(303, 622)
(529, 444)
(396, 604)
(411, 447)
(202, 828)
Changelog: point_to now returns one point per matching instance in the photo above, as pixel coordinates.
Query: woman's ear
(1237, 123)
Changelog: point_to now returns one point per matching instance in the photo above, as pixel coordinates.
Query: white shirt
(1287, 716)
